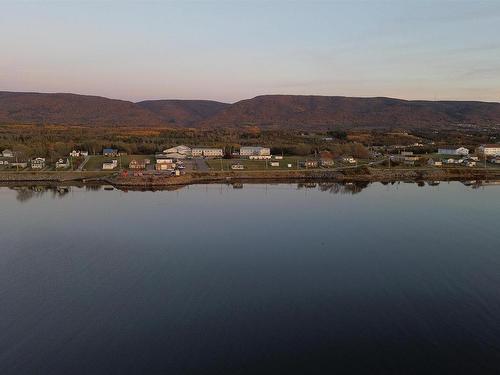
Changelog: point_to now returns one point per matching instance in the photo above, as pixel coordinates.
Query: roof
(450, 147)
(207, 148)
(109, 149)
(253, 148)
(175, 148)
(326, 155)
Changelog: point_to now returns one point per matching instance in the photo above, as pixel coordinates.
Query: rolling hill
(72, 109)
(183, 112)
(267, 111)
(296, 111)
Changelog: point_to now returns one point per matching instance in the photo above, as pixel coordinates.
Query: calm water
(396, 279)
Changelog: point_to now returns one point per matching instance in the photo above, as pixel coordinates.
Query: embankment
(349, 175)
(366, 174)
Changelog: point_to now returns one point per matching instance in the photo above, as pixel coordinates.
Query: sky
(233, 50)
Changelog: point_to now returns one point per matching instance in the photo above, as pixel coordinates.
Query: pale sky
(232, 50)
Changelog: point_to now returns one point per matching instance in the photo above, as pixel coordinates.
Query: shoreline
(362, 174)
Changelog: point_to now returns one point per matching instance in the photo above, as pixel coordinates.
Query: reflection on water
(27, 192)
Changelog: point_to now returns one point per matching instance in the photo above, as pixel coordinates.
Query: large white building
(255, 151)
(207, 152)
(489, 150)
(180, 150)
(453, 150)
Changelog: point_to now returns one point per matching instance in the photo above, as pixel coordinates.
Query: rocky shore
(351, 175)
(366, 174)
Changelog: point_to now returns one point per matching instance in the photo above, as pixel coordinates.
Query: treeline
(53, 142)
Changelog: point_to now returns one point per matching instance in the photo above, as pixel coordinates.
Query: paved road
(80, 168)
(201, 166)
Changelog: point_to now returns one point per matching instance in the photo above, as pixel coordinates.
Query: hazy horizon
(215, 50)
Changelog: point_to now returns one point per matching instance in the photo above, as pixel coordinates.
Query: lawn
(95, 161)
(257, 165)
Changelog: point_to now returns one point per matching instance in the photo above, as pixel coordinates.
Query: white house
(78, 153)
(38, 163)
(207, 152)
(62, 163)
(453, 150)
(7, 153)
(110, 165)
(349, 159)
(489, 150)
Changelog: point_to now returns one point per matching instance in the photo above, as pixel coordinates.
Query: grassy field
(258, 165)
(95, 161)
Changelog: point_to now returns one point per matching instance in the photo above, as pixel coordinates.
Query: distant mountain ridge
(183, 112)
(72, 109)
(267, 111)
(298, 111)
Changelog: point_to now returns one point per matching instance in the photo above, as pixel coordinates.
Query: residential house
(164, 164)
(274, 164)
(237, 166)
(326, 159)
(38, 163)
(110, 152)
(7, 153)
(62, 163)
(110, 165)
(138, 164)
(311, 164)
(255, 152)
(453, 150)
(489, 150)
(470, 163)
(348, 160)
(207, 152)
(79, 154)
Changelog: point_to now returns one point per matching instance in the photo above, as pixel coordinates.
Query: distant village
(176, 160)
